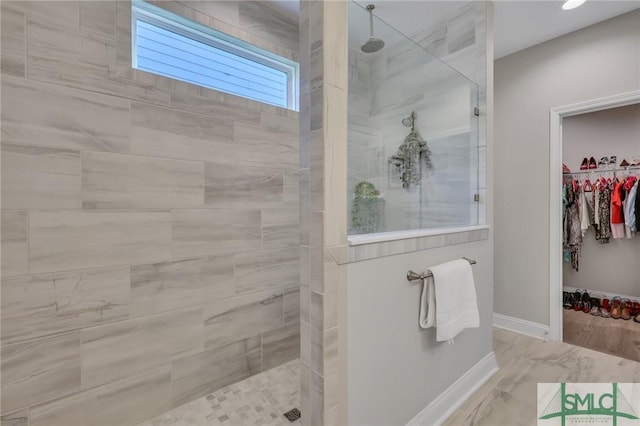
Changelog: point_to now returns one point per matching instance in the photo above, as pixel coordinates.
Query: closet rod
(617, 169)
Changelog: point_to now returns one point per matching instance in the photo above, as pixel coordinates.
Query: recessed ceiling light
(572, 4)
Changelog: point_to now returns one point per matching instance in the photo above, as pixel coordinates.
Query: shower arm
(370, 8)
(370, 23)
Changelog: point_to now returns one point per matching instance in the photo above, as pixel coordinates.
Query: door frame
(556, 115)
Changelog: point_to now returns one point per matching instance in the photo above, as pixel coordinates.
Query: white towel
(448, 300)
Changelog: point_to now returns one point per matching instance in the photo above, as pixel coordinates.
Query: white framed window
(167, 44)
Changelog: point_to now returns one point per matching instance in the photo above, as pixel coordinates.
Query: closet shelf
(617, 169)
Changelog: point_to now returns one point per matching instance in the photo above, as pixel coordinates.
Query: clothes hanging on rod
(617, 214)
(603, 230)
(572, 230)
(606, 201)
(632, 211)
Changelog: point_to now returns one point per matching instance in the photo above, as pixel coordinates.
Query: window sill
(371, 246)
(356, 240)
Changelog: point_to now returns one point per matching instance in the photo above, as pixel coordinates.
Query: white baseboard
(521, 326)
(441, 408)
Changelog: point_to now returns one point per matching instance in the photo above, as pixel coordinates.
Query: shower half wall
(150, 228)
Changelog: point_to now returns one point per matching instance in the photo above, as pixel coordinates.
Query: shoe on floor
(567, 300)
(616, 307)
(625, 312)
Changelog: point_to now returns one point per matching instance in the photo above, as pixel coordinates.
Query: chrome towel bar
(413, 276)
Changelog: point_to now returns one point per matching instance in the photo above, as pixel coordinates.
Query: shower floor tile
(260, 400)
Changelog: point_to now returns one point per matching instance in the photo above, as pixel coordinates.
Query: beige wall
(595, 62)
(396, 368)
(150, 228)
(614, 131)
(614, 267)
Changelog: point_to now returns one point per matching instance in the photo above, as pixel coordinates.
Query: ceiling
(518, 23)
(521, 24)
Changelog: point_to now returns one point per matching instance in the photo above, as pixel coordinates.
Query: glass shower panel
(412, 135)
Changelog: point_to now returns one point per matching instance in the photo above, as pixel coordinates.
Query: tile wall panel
(280, 346)
(292, 195)
(266, 269)
(132, 84)
(124, 402)
(279, 122)
(74, 57)
(39, 370)
(123, 36)
(119, 350)
(198, 375)
(158, 143)
(216, 105)
(68, 239)
(181, 123)
(278, 228)
(46, 304)
(164, 286)
(17, 418)
(56, 41)
(149, 226)
(99, 17)
(65, 12)
(292, 305)
(272, 26)
(227, 321)
(15, 247)
(203, 232)
(224, 11)
(115, 181)
(227, 185)
(40, 178)
(49, 115)
(259, 145)
(13, 33)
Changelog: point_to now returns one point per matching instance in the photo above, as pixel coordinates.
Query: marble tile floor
(611, 336)
(509, 397)
(259, 400)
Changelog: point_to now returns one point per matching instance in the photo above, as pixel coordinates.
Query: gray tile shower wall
(150, 228)
(323, 225)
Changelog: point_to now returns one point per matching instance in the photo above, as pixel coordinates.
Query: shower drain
(292, 415)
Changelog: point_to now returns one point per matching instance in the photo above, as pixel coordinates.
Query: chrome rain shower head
(373, 44)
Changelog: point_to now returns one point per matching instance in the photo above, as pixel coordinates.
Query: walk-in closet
(601, 220)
